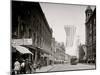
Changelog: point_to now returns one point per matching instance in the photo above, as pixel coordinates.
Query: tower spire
(88, 13)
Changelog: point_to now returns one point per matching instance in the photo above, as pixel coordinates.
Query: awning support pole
(35, 57)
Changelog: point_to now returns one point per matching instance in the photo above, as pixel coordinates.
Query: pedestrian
(34, 66)
(23, 67)
(27, 67)
(17, 67)
(39, 64)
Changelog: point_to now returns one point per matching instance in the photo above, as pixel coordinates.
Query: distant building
(60, 52)
(91, 34)
(67, 59)
(82, 53)
(78, 44)
(70, 34)
(53, 48)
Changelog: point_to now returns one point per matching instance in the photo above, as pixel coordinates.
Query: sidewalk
(88, 64)
(45, 69)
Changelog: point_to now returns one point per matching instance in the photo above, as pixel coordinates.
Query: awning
(23, 50)
(37, 49)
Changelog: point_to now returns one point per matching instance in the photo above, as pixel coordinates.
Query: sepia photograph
(52, 37)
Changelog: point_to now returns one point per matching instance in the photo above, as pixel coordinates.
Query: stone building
(59, 52)
(53, 50)
(31, 30)
(91, 34)
(67, 59)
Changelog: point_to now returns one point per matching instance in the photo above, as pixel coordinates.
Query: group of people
(23, 67)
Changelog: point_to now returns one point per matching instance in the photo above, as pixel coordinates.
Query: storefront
(20, 54)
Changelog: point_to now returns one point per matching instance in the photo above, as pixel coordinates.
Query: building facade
(91, 34)
(31, 30)
(59, 52)
(67, 59)
(53, 50)
(82, 53)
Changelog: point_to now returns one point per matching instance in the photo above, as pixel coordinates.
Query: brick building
(31, 30)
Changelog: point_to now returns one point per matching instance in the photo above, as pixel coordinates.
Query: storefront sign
(21, 41)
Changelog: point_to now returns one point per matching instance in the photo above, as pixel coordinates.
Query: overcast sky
(60, 15)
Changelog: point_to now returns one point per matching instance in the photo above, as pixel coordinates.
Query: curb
(50, 68)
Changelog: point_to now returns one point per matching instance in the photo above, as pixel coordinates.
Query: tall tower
(88, 13)
(70, 35)
(90, 35)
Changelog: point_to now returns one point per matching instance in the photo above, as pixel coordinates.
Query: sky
(60, 15)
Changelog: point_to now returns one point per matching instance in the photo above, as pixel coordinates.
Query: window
(90, 26)
(94, 21)
(22, 29)
(30, 33)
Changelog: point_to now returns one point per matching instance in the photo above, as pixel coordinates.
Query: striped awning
(23, 50)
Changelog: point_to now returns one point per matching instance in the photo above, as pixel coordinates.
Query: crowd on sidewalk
(26, 67)
(23, 67)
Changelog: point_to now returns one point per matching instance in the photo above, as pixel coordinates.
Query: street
(65, 67)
